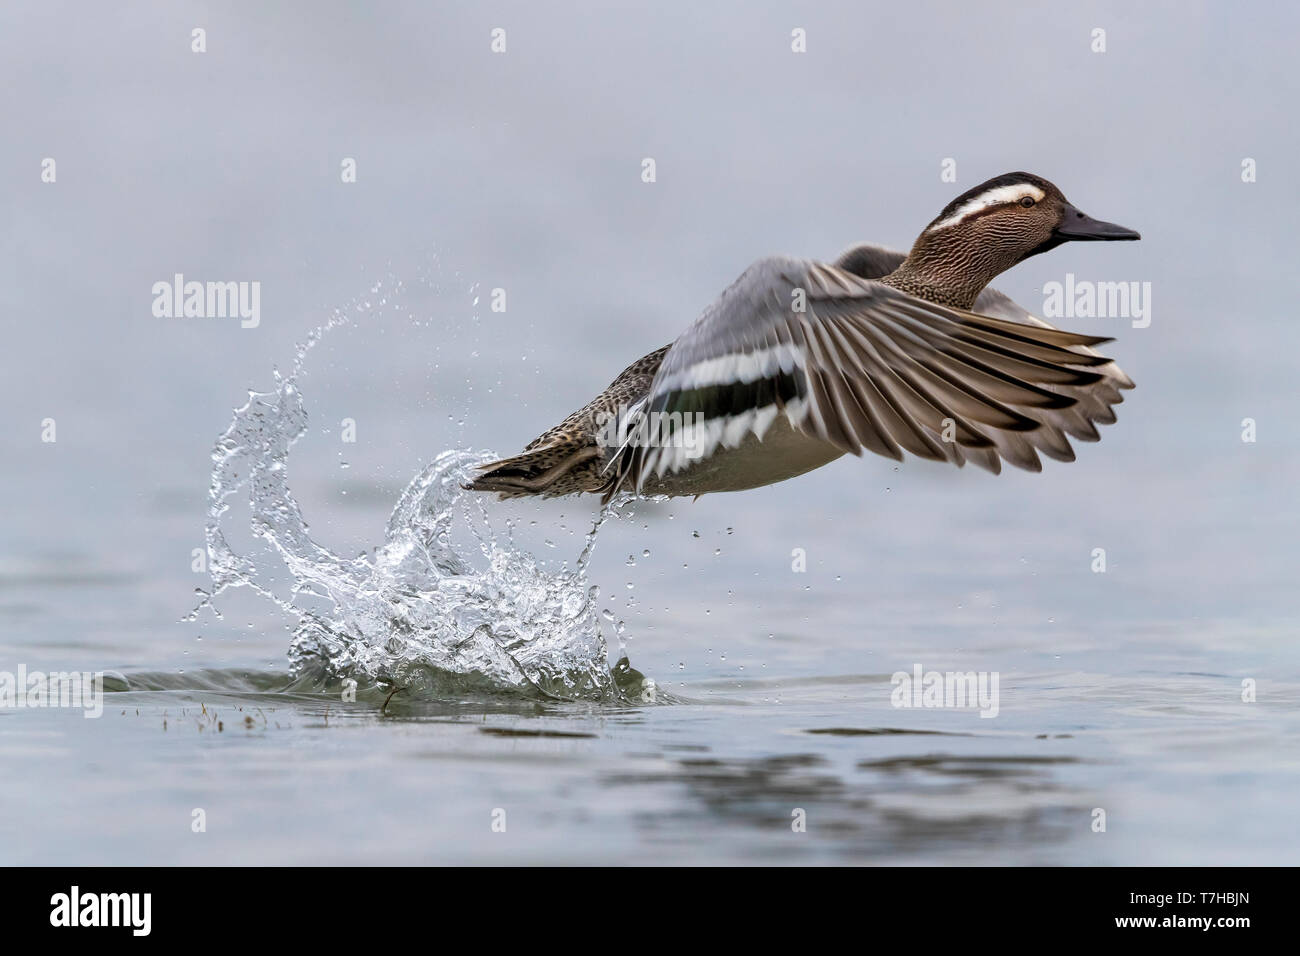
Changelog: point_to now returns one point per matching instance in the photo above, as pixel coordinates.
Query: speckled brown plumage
(952, 265)
(572, 449)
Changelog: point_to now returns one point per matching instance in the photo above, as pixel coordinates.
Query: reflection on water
(880, 732)
(718, 777)
(862, 797)
(923, 805)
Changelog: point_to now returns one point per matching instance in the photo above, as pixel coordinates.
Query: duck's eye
(1027, 201)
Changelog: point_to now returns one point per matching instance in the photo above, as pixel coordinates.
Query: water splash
(419, 613)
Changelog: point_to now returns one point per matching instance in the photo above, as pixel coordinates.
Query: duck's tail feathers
(548, 470)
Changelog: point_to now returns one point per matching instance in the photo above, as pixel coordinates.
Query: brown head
(987, 230)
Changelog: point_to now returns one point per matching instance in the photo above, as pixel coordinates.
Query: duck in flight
(799, 362)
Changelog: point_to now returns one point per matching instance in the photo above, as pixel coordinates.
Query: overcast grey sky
(522, 170)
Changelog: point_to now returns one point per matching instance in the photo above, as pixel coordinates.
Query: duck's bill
(1079, 226)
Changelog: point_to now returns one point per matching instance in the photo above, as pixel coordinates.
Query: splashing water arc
(416, 613)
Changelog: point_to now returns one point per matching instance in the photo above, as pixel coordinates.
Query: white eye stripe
(991, 197)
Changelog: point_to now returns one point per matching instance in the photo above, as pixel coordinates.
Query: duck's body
(800, 362)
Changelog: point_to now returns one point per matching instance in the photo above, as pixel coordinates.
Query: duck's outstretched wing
(1094, 402)
(860, 365)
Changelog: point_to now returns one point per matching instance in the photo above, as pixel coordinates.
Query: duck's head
(988, 229)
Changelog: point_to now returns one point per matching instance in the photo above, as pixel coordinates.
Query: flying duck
(799, 362)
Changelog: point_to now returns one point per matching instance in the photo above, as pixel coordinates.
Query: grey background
(522, 171)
